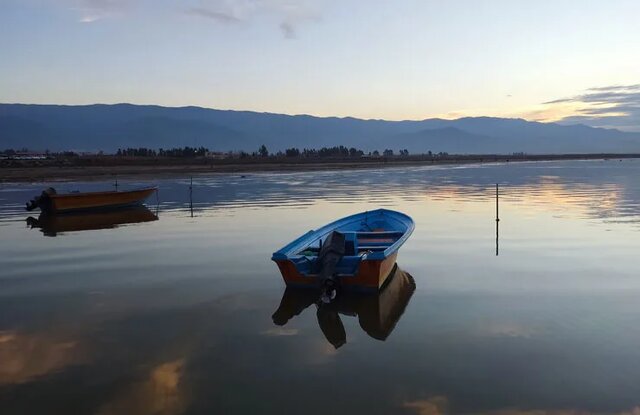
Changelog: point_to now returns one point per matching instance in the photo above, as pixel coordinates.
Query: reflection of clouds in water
(320, 352)
(632, 411)
(439, 405)
(280, 331)
(436, 405)
(134, 369)
(24, 357)
(159, 393)
(507, 329)
(165, 360)
(581, 200)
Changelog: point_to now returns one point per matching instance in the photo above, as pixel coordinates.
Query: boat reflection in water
(52, 224)
(377, 313)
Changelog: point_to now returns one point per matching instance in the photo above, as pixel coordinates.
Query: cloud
(615, 106)
(213, 15)
(94, 10)
(288, 30)
(289, 13)
(615, 88)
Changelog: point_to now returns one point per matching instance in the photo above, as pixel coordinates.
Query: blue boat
(356, 251)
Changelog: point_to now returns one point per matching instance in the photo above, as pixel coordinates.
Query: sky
(562, 60)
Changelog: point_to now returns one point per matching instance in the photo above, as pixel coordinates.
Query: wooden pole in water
(497, 219)
(157, 202)
(191, 196)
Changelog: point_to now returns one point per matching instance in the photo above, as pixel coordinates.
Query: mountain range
(109, 127)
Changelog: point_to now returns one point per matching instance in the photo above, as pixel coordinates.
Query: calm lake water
(174, 315)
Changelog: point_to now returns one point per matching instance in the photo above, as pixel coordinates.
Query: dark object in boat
(36, 201)
(378, 313)
(52, 224)
(51, 201)
(330, 254)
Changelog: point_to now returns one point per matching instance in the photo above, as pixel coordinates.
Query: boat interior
(356, 245)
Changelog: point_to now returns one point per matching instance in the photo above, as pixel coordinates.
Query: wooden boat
(357, 251)
(53, 224)
(377, 313)
(50, 201)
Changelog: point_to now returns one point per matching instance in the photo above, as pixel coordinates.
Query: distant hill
(109, 127)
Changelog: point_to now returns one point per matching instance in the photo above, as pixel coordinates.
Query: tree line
(324, 152)
(262, 152)
(173, 152)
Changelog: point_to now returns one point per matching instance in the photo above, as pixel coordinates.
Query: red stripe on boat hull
(371, 274)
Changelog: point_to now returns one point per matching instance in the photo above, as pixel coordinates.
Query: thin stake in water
(191, 196)
(497, 219)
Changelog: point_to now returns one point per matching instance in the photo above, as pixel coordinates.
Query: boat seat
(376, 240)
(373, 248)
(358, 242)
(381, 233)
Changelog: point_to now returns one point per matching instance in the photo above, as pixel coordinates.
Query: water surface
(173, 314)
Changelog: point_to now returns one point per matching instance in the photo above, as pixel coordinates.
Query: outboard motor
(39, 201)
(33, 203)
(330, 254)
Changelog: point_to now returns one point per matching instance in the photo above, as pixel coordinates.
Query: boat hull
(370, 276)
(95, 200)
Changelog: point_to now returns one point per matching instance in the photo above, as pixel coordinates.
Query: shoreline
(35, 172)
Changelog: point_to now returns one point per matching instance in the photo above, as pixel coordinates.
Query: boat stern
(370, 275)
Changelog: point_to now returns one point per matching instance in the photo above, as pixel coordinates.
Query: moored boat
(50, 201)
(357, 251)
